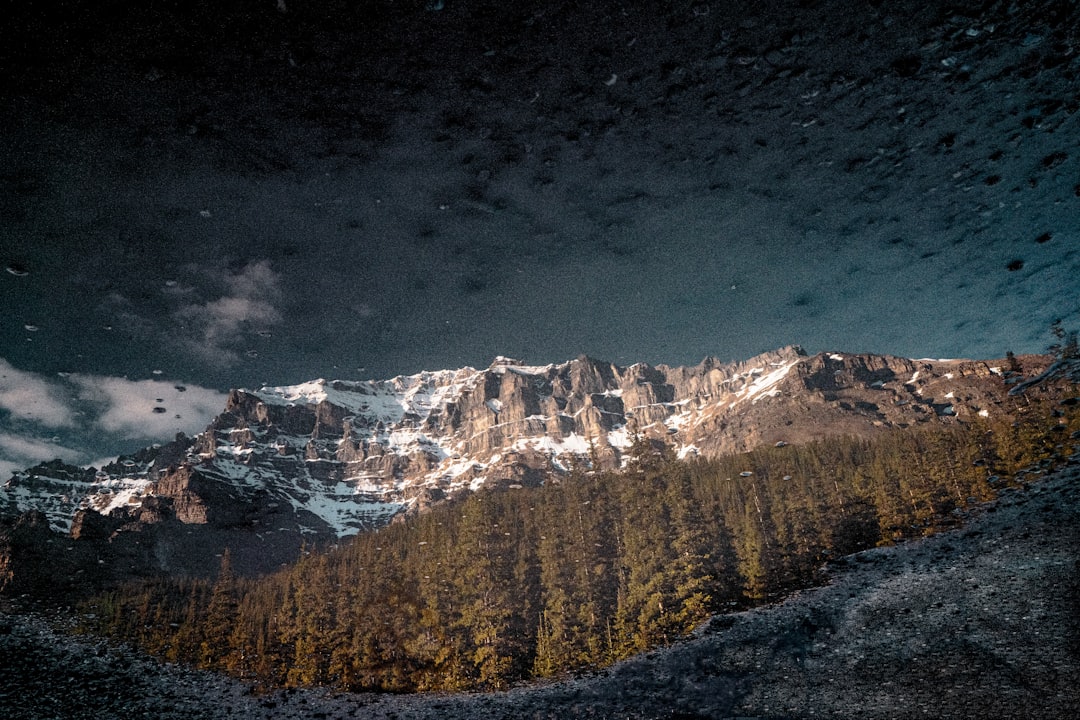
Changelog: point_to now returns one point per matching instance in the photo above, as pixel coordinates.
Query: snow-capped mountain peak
(329, 458)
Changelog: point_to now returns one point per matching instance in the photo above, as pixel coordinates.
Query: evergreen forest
(506, 585)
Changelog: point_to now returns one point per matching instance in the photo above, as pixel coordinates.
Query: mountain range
(286, 467)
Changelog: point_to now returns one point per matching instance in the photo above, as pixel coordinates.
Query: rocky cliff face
(330, 458)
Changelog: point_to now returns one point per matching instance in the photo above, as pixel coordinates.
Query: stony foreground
(980, 622)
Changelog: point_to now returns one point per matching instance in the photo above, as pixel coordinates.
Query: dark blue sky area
(365, 190)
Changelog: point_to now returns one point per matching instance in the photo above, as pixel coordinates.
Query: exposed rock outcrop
(329, 458)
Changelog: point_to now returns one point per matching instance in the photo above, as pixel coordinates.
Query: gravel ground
(983, 622)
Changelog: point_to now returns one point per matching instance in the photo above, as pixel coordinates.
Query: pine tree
(220, 616)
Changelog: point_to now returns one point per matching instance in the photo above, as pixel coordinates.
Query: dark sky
(212, 195)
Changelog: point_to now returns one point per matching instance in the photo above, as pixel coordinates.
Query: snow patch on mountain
(387, 401)
(764, 383)
(338, 457)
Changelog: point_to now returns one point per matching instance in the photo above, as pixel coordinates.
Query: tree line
(507, 585)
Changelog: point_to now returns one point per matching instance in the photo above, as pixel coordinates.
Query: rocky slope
(330, 458)
(282, 467)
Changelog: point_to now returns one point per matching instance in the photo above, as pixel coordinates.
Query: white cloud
(35, 449)
(255, 279)
(30, 397)
(224, 317)
(148, 409)
(215, 327)
(18, 452)
(113, 414)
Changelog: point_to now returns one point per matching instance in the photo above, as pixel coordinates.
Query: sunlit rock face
(326, 459)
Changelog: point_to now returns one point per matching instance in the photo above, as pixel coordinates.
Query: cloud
(225, 317)
(147, 409)
(32, 398)
(18, 452)
(213, 329)
(113, 414)
(18, 446)
(9, 467)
